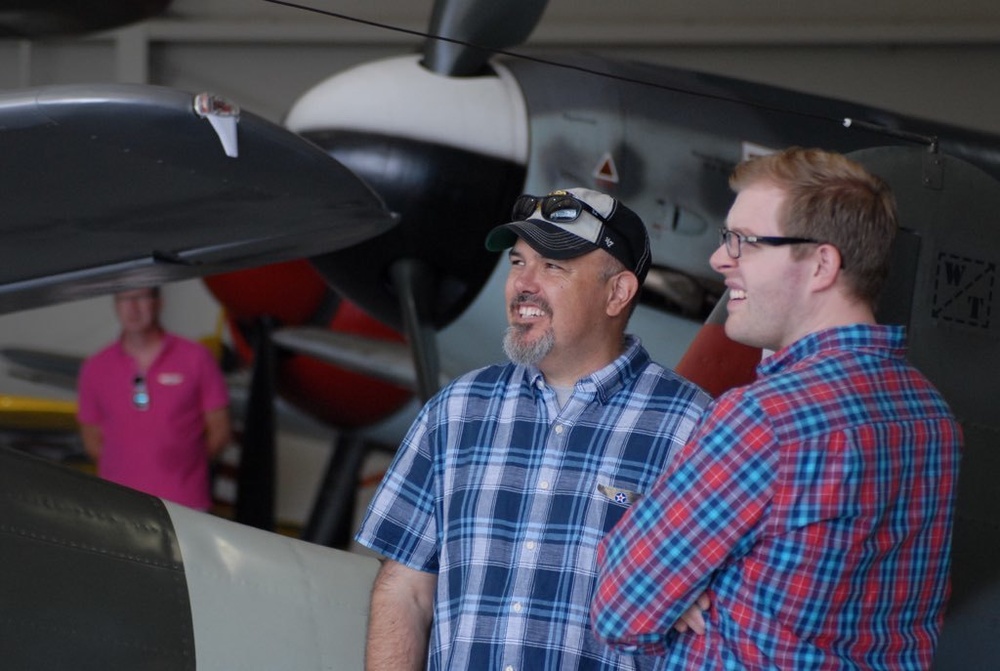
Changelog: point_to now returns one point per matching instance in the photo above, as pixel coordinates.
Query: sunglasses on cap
(558, 208)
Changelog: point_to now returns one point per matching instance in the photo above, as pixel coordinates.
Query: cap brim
(500, 238)
(550, 241)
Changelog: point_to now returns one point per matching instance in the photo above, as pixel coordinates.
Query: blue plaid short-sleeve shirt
(505, 497)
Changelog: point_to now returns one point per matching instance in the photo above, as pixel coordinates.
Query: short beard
(527, 353)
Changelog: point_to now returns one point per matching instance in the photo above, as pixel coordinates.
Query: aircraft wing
(112, 185)
(52, 368)
(61, 372)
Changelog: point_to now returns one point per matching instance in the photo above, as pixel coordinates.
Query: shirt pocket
(613, 498)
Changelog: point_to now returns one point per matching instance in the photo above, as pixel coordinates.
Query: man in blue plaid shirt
(490, 516)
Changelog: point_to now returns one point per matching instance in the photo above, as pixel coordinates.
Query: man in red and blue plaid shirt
(807, 523)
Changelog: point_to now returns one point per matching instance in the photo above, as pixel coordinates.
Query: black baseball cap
(572, 222)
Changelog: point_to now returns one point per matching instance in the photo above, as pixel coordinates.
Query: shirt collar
(607, 381)
(167, 342)
(887, 340)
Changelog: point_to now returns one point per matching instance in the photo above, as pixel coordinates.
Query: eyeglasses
(140, 394)
(733, 241)
(558, 208)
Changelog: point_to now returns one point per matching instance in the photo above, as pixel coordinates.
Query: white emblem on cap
(608, 242)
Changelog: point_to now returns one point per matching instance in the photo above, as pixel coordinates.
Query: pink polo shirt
(160, 450)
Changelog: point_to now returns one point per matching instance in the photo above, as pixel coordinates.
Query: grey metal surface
(107, 185)
(262, 601)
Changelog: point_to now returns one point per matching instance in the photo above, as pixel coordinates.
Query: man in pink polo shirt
(153, 407)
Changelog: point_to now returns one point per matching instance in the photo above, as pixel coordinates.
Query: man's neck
(143, 346)
(566, 373)
(837, 310)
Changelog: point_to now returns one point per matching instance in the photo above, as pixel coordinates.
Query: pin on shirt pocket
(623, 497)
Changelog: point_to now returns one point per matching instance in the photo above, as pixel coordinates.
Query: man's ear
(623, 287)
(828, 266)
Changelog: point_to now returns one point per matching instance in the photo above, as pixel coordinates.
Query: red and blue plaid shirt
(505, 496)
(813, 506)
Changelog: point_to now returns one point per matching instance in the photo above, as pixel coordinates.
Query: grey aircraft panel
(260, 600)
(107, 185)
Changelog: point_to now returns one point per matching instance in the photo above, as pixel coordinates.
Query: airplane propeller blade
(493, 25)
(114, 185)
(382, 359)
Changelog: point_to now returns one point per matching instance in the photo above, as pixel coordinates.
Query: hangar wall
(918, 57)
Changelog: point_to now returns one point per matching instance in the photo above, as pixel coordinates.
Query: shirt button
(530, 545)
(540, 384)
(544, 484)
(559, 428)
(508, 668)
(517, 607)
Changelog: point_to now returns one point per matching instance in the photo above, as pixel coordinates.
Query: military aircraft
(663, 140)
(449, 137)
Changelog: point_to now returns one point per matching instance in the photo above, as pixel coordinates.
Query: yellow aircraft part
(213, 341)
(36, 414)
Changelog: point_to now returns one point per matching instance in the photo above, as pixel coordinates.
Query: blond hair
(835, 200)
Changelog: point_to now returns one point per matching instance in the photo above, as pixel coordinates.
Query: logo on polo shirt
(170, 379)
